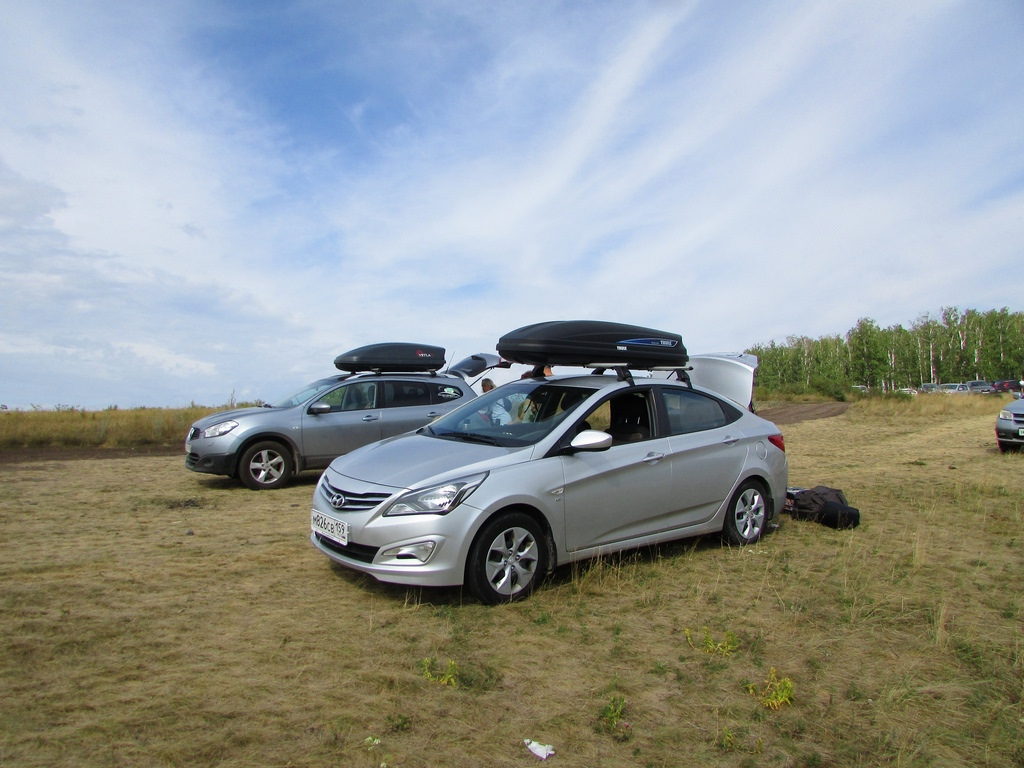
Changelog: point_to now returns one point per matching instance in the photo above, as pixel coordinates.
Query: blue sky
(200, 200)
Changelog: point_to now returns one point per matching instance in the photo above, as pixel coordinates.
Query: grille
(354, 502)
(191, 459)
(193, 433)
(358, 552)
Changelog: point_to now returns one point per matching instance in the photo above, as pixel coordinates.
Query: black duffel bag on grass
(825, 505)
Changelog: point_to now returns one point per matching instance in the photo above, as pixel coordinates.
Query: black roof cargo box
(392, 357)
(592, 342)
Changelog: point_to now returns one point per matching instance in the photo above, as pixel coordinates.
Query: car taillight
(777, 441)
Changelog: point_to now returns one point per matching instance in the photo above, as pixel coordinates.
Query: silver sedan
(546, 471)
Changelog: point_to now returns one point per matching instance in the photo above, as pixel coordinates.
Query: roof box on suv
(592, 342)
(392, 357)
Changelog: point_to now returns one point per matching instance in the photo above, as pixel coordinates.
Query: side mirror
(318, 409)
(590, 440)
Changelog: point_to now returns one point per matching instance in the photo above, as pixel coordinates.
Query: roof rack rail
(625, 372)
(682, 374)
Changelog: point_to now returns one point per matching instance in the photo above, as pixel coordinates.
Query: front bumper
(440, 570)
(211, 463)
(382, 546)
(1009, 432)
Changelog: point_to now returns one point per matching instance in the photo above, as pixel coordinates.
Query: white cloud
(170, 363)
(190, 192)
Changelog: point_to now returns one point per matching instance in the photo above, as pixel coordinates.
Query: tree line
(959, 345)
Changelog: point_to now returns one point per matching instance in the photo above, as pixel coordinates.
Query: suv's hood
(217, 418)
(412, 460)
(729, 375)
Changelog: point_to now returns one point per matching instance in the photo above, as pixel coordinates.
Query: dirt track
(791, 413)
(21, 455)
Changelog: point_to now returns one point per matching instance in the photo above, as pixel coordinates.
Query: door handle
(653, 458)
(434, 414)
(370, 417)
(730, 440)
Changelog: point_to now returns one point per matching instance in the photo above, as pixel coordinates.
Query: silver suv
(264, 447)
(552, 469)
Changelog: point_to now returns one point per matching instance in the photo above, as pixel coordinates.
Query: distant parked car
(929, 388)
(980, 387)
(1010, 427)
(389, 389)
(907, 391)
(955, 389)
(860, 388)
(1007, 385)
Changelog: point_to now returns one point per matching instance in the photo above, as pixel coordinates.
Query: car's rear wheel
(747, 515)
(265, 465)
(507, 559)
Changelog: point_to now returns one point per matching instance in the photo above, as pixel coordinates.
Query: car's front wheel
(747, 514)
(507, 559)
(265, 465)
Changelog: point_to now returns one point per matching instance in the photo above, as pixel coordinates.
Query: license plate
(1020, 432)
(334, 529)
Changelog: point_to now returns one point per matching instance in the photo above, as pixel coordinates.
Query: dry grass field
(112, 428)
(153, 617)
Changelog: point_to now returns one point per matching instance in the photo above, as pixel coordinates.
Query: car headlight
(1006, 416)
(220, 429)
(436, 500)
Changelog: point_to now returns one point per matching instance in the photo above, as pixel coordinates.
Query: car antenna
(449, 368)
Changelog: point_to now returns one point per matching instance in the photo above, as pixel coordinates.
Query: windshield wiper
(470, 437)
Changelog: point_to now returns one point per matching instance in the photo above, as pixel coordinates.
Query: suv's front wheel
(265, 465)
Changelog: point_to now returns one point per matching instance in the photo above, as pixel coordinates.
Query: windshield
(305, 393)
(517, 414)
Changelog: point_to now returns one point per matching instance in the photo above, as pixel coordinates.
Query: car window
(401, 394)
(627, 417)
(542, 404)
(516, 414)
(690, 411)
(444, 393)
(305, 393)
(357, 396)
